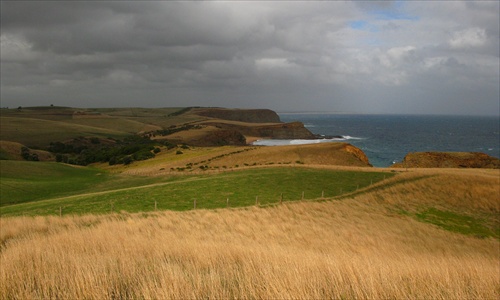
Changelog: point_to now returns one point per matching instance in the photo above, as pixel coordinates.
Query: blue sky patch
(363, 25)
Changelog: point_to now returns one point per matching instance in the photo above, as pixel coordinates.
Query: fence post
(60, 211)
(227, 202)
(194, 205)
(281, 198)
(156, 206)
(322, 194)
(256, 200)
(112, 206)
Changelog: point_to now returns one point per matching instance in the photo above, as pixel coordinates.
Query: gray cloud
(387, 56)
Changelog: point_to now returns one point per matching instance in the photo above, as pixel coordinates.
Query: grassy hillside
(39, 133)
(82, 190)
(326, 225)
(369, 245)
(31, 181)
(38, 126)
(192, 159)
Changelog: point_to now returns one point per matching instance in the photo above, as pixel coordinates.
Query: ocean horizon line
(381, 114)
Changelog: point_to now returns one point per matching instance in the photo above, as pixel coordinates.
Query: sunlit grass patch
(457, 222)
(230, 189)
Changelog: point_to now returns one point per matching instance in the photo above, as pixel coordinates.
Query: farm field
(419, 234)
(35, 188)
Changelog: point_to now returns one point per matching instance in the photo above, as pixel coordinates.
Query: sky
(394, 57)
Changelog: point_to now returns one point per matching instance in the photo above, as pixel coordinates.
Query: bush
(169, 145)
(143, 155)
(178, 152)
(127, 160)
(27, 155)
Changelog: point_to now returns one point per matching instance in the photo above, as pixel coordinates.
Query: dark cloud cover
(437, 57)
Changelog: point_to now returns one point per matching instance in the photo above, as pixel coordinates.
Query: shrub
(127, 160)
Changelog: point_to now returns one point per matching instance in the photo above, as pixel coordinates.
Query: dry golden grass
(354, 248)
(13, 150)
(312, 154)
(467, 190)
(113, 123)
(322, 155)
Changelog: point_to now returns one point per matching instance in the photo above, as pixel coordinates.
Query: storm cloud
(438, 57)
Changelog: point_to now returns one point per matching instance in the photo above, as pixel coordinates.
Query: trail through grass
(94, 193)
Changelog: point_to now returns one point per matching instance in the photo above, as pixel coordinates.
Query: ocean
(386, 139)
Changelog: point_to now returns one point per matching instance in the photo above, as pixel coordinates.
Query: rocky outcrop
(240, 115)
(221, 138)
(227, 127)
(356, 152)
(294, 130)
(448, 160)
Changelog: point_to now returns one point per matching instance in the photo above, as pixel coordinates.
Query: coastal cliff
(357, 153)
(448, 160)
(239, 115)
(222, 126)
(293, 130)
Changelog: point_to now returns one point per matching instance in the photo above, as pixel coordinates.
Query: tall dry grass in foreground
(352, 248)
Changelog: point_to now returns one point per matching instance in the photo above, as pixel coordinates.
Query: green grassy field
(38, 126)
(39, 133)
(43, 188)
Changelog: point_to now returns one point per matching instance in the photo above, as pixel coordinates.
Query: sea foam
(273, 142)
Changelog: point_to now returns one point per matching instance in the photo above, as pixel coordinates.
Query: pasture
(30, 188)
(370, 244)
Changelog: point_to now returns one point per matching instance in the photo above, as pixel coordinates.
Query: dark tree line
(27, 155)
(124, 151)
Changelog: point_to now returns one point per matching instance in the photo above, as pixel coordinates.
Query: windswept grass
(315, 250)
(463, 202)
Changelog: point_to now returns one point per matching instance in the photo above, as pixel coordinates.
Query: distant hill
(449, 160)
(37, 127)
(240, 115)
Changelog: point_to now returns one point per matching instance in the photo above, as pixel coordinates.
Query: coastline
(389, 138)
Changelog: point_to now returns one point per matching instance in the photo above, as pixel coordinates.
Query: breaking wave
(273, 142)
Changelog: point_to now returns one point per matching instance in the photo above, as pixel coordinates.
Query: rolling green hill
(24, 182)
(38, 126)
(35, 188)
(39, 133)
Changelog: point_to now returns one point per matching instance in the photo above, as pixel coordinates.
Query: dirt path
(115, 190)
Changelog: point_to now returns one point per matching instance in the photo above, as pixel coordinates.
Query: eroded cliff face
(232, 127)
(356, 152)
(240, 115)
(294, 130)
(448, 160)
(221, 138)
